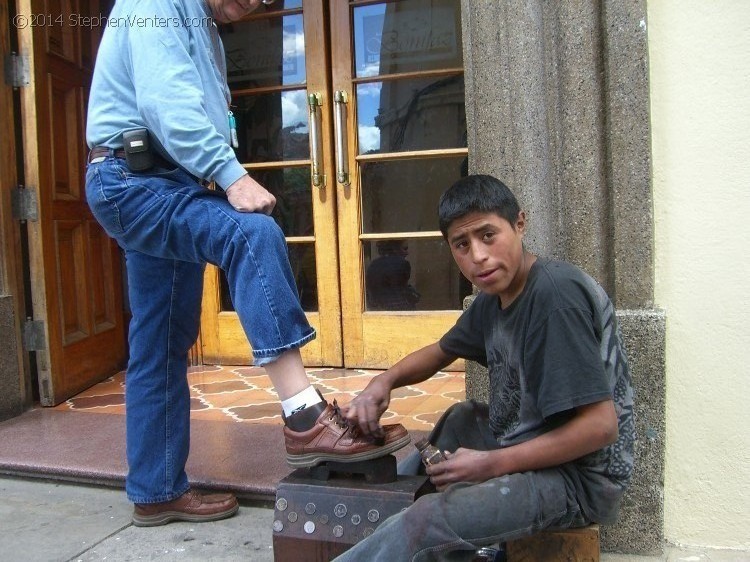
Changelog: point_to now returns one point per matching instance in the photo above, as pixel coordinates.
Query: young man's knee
(419, 517)
(465, 412)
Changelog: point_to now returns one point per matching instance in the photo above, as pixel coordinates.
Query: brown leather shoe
(190, 506)
(333, 438)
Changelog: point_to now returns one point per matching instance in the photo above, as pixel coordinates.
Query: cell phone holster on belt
(138, 152)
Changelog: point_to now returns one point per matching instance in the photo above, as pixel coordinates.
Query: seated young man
(554, 446)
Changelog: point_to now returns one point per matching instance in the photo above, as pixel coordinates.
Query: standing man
(158, 128)
(554, 446)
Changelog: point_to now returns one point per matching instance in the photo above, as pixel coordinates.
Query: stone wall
(557, 106)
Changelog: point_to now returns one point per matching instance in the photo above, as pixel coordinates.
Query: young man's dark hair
(482, 193)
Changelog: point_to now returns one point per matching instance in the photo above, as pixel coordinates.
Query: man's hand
(248, 196)
(365, 410)
(465, 465)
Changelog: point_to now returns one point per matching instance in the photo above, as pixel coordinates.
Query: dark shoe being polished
(321, 433)
(190, 506)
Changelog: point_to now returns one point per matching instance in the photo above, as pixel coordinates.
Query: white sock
(300, 401)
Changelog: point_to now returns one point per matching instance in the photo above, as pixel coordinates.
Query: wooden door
(75, 268)
(386, 82)
(398, 79)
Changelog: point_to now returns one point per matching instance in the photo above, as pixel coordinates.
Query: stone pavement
(44, 521)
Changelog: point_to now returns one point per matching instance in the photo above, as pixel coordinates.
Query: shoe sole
(169, 516)
(313, 459)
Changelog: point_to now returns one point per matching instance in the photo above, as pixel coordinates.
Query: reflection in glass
(412, 274)
(302, 260)
(402, 195)
(415, 114)
(407, 36)
(272, 127)
(387, 279)
(265, 52)
(294, 206)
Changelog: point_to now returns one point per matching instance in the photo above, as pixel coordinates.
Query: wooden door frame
(327, 265)
(18, 385)
(36, 238)
(348, 195)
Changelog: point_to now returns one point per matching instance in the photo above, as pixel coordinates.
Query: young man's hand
(248, 196)
(365, 410)
(465, 465)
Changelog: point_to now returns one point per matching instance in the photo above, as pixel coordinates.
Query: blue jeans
(453, 524)
(170, 227)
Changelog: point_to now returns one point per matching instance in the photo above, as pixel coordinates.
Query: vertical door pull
(342, 152)
(316, 143)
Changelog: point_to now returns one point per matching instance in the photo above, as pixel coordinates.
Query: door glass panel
(402, 195)
(412, 274)
(302, 260)
(272, 127)
(415, 114)
(294, 206)
(265, 52)
(406, 36)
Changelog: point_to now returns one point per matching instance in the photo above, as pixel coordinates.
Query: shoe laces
(337, 416)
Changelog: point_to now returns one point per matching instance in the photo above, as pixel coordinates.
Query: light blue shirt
(160, 65)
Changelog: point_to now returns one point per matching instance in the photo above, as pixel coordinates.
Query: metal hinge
(33, 336)
(23, 204)
(16, 70)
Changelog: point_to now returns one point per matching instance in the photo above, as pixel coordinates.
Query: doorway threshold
(237, 442)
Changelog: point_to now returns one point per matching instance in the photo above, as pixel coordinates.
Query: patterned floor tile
(243, 394)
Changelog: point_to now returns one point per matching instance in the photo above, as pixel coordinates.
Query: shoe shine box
(322, 512)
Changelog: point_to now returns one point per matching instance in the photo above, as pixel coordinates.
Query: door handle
(342, 153)
(316, 143)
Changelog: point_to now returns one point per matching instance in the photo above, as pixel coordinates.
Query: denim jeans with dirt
(453, 524)
(169, 227)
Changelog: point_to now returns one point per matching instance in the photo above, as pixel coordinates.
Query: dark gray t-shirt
(556, 347)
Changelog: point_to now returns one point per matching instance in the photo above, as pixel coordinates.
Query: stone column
(557, 107)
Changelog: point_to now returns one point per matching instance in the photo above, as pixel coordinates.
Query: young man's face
(226, 11)
(489, 252)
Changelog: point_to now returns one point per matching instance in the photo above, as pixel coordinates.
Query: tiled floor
(244, 395)
(235, 413)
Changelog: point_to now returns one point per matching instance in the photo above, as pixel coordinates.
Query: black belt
(104, 152)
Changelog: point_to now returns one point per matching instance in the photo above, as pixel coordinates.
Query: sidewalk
(43, 521)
